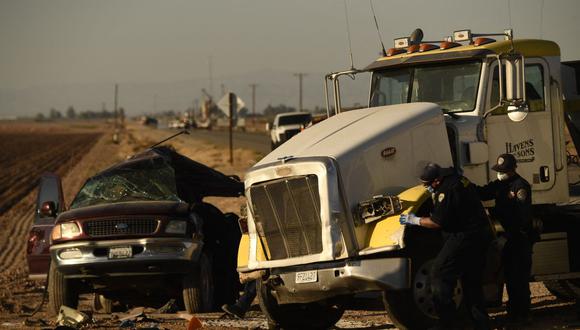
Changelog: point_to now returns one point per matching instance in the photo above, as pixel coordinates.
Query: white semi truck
(323, 208)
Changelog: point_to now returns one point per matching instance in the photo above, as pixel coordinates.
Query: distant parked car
(149, 121)
(286, 125)
(139, 233)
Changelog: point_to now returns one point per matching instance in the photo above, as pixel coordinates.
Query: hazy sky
(67, 42)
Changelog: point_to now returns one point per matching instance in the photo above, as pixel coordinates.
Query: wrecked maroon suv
(139, 233)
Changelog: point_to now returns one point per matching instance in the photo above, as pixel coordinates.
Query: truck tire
(198, 287)
(564, 289)
(317, 315)
(102, 304)
(413, 308)
(60, 291)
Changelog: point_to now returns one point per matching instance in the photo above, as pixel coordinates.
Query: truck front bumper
(150, 256)
(340, 278)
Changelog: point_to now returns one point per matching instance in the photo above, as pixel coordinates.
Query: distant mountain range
(274, 88)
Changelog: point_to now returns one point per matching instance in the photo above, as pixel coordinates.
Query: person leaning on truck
(513, 209)
(458, 212)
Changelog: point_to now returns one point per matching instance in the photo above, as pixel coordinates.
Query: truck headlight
(65, 230)
(176, 227)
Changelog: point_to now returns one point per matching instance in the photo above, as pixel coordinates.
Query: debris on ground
(169, 307)
(70, 317)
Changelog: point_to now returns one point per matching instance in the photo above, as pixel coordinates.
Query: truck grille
(287, 216)
(120, 227)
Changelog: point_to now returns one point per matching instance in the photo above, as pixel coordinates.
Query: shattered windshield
(453, 86)
(152, 180)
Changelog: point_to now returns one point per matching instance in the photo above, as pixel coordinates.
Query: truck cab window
(452, 86)
(534, 88)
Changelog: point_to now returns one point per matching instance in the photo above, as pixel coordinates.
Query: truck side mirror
(48, 210)
(518, 111)
(515, 82)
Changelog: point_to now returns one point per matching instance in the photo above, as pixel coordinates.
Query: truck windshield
(151, 183)
(295, 119)
(453, 86)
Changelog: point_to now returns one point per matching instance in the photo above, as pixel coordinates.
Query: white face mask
(502, 176)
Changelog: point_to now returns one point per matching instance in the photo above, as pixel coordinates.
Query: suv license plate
(309, 276)
(120, 252)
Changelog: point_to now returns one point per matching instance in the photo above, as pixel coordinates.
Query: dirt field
(93, 151)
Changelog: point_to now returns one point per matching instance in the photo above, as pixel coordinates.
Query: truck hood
(177, 209)
(349, 131)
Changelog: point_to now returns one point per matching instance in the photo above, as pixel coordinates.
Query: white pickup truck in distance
(286, 125)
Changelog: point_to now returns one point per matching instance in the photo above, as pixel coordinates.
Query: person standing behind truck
(458, 212)
(513, 209)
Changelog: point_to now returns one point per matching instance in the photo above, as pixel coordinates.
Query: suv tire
(60, 291)
(198, 287)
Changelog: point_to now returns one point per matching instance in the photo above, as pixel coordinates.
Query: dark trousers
(517, 262)
(462, 257)
(248, 296)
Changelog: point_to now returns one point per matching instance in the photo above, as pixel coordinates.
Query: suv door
(49, 204)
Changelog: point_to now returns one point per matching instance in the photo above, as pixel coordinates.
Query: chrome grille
(287, 215)
(120, 227)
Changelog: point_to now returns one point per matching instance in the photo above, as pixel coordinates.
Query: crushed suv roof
(158, 173)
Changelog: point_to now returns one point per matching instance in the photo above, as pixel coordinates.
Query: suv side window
(534, 89)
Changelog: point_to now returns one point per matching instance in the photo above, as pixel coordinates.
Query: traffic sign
(224, 104)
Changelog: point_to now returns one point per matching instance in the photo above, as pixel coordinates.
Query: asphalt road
(259, 142)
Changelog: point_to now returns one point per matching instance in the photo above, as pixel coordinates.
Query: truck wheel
(413, 308)
(60, 291)
(317, 315)
(564, 289)
(197, 287)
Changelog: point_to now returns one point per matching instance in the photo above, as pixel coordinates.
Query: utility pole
(253, 86)
(116, 109)
(300, 75)
(210, 77)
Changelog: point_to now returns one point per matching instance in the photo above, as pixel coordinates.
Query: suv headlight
(65, 230)
(176, 227)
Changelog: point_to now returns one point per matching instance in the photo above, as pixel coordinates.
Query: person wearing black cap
(458, 212)
(513, 209)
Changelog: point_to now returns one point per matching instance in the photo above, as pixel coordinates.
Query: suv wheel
(198, 289)
(60, 291)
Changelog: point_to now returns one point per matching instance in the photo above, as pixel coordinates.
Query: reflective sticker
(500, 161)
(440, 197)
(522, 194)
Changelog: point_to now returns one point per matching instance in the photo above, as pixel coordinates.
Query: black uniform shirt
(457, 207)
(513, 202)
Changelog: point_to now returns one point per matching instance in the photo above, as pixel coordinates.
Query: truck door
(49, 204)
(530, 140)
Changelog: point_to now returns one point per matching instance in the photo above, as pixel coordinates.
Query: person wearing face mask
(459, 214)
(513, 209)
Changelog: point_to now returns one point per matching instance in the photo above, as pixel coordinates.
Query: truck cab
(323, 208)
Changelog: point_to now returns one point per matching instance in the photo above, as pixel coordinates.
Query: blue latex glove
(410, 220)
